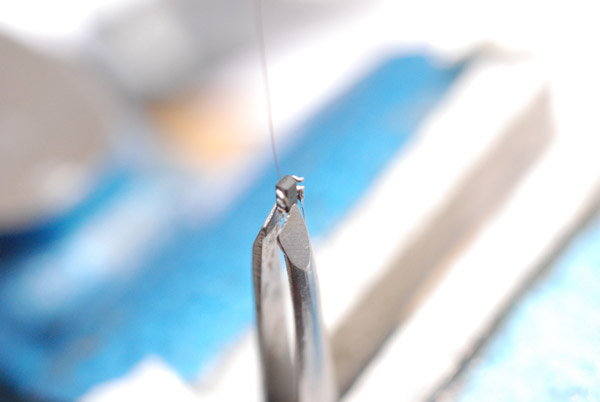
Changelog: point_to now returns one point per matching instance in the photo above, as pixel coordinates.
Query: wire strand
(265, 75)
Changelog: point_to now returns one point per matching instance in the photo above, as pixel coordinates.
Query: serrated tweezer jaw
(308, 375)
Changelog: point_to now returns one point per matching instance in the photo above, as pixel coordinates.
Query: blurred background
(449, 151)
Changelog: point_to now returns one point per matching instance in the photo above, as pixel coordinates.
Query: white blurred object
(151, 381)
(482, 280)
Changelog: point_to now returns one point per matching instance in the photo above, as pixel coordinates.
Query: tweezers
(299, 371)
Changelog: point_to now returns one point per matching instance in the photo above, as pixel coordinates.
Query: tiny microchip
(287, 192)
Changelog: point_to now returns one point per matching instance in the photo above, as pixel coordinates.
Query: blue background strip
(548, 349)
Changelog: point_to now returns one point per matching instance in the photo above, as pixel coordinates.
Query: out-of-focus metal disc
(52, 138)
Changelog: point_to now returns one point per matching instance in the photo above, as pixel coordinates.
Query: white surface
(479, 283)
(413, 188)
(151, 381)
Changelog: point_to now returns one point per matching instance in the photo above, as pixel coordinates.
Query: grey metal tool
(299, 371)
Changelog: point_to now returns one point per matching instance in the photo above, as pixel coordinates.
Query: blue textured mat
(548, 349)
(63, 329)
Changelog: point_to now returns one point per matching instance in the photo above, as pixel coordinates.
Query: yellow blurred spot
(205, 130)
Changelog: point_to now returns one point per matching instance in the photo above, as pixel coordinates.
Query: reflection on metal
(308, 375)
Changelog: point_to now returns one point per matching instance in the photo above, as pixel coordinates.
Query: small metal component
(308, 375)
(288, 193)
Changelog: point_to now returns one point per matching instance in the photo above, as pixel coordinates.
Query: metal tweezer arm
(309, 375)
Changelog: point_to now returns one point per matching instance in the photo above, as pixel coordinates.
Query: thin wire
(265, 75)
